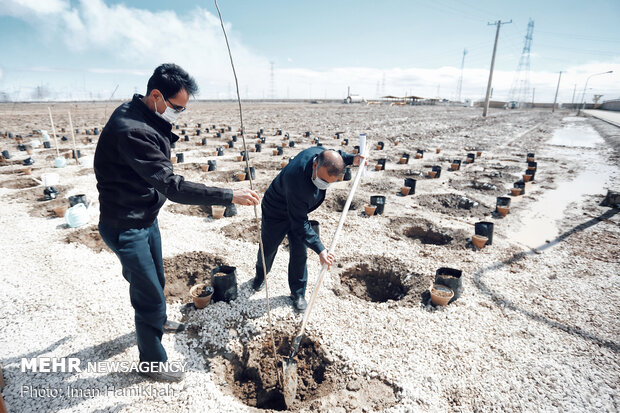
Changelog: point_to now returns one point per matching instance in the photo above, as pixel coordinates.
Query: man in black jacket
(134, 178)
(298, 190)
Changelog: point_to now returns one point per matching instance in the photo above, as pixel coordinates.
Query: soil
(441, 292)
(19, 183)
(448, 204)
(246, 230)
(185, 270)
(336, 199)
(192, 210)
(88, 236)
(252, 377)
(45, 209)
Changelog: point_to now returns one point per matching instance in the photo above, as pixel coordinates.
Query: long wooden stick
(53, 132)
(73, 136)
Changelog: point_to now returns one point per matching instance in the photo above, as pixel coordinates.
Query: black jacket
(134, 172)
(292, 195)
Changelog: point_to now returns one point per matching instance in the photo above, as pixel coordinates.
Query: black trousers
(273, 232)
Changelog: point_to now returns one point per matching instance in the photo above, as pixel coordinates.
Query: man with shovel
(298, 190)
(134, 178)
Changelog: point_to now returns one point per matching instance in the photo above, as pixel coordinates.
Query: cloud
(28, 8)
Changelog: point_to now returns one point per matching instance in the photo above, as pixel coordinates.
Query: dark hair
(334, 166)
(169, 79)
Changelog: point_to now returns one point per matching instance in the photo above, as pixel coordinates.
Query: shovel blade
(289, 381)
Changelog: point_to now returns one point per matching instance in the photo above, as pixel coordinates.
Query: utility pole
(486, 99)
(459, 85)
(572, 102)
(555, 99)
(533, 94)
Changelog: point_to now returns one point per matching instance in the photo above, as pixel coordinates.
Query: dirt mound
(19, 183)
(252, 378)
(192, 210)
(35, 194)
(184, 270)
(454, 205)
(246, 230)
(46, 209)
(88, 236)
(336, 199)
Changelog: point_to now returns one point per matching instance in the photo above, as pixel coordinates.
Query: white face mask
(319, 183)
(170, 115)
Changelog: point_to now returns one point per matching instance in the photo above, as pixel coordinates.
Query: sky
(310, 49)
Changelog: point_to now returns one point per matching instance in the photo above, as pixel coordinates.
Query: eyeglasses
(176, 108)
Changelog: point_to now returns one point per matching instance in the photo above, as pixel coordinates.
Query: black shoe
(258, 283)
(299, 302)
(170, 376)
(173, 327)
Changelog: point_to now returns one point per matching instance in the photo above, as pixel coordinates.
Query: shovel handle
(332, 248)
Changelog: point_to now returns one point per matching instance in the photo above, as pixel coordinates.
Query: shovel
(289, 365)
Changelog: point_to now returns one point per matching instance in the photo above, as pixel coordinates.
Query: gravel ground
(536, 327)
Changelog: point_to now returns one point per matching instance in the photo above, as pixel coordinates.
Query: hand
(327, 258)
(245, 197)
(358, 159)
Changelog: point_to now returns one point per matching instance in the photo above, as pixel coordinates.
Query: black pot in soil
(234, 138)
(258, 147)
(96, 131)
(437, 169)
(315, 226)
(231, 144)
(451, 278)
(186, 139)
(243, 157)
(78, 199)
(47, 144)
(485, 229)
(204, 141)
(230, 211)
(346, 141)
(530, 155)
(263, 139)
(230, 129)
(252, 172)
(471, 157)
(183, 132)
(421, 152)
(261, 131)
(224, 285)
(222, 130)
(6, 154)
(279, 132)
(197, 132)
(173, 145)
(521, 186)
(347, 174)
(219, 135)
(410, 182)
(307, 134)
(220, 151)
(50, 193)
(280, 150)
(379, 201)
(287, 136)
(21, 147)
(503, 201)
(28, 161)
(177, 126)
(212, 126)
(180, 157)
(199, 125)
(212, 165)
(532, 165)
(382, 162)
(530, 172)
(64, 139)
(380, 145)
(357, 147)
(291, 144)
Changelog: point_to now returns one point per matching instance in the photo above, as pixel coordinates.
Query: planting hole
(184, 270)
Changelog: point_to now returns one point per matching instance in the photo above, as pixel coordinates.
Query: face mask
(170, 115)
(319, 183)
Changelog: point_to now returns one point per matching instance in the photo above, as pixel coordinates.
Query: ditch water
(576, 142)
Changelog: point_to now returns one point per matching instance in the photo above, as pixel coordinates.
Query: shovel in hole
(289, 365)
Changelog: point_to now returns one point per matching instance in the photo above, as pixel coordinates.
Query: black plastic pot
(199, 125)
(78, 199)
(197, 132)
(231, 144)
(357, 147)
(186, 139)
(230, 211)
(6, 154)
(382, 162)
(176, 126)
(307, 134)
(28, 161)
(291, 144)
(530, 172)
(50, 193)
(263, 139)
(212, 126)
(437, 169)
(180, 157)
(173, 145)
(410, 182)
(183, 132)
(220, 151)
(471, 157)
(243, 157)
(521, 186)
(47, 144)
(421, 152)
(279, 132)
(315, 226)
(346, 141)
(222, 130)
(230, 129)
(532, 165)
(21, 147)
(96, 131)
(347, 174)
(64, 139)
(258, 147)
(280, 150)
(224, 286)
(234, 138)
(204, 141)
(485, 229)
(379, 201)
(219, 135)
(380, 145)
(261, 131)
(503, 201)
(212, 165)
(252, 172)
(530, 155)
(451, 278)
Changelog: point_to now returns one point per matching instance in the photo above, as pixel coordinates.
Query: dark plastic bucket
(421, 152)
(346, 141)
(79, 154)
(410, 182)
(503, 201)
(197, 132)
(261, 131)
(204, 141)
(307, 134)
(485, 229)
(252, 172)
(382, 162)
(243, 157)
(315, 226)
(471, 157)
(521, 186)
(47, 144)
(28, 161)
(379, 201)
(224, 286)
(183, 132)
(357, 147)
(437, 169)
(280, 150)
(347, 174)
(78, 199)
(96, 131)
(6, 154)
(380, 145)
(220, 151)
(530, 155)
(234, 138)
(258, 147)
(530, 172)
(219, 135)
(180, 157)
(451, 278)
(198, 125)
(230, 129)
(291, 144)
(231, 144)
(212, 165)
(230, 211)
(532, 165)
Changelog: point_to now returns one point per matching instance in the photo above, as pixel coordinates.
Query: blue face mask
(318, 182)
